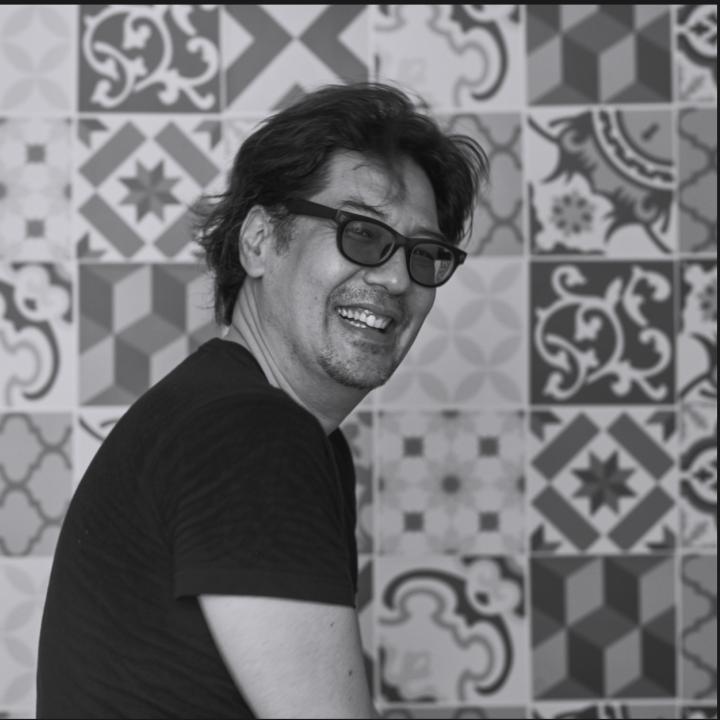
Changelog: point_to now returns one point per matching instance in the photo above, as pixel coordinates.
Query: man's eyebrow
(362, 206)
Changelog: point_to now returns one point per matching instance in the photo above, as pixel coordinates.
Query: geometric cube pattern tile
(452, 55)
(497, 225)
(137, 322)
(598, 53)
(602, 333)
(35, 480)
(537, 483)
(136, 178)
(697, 180)
(603, 627)
(601, 181)
(37, 332)
(602, 481)
(698, 476)
(450, 483)
(38, 62)
(471, 350)
(699, 628)
(273, 55)
(35, 174)
(696, 56)
(149, 58)
(697, 332)
(452, 630)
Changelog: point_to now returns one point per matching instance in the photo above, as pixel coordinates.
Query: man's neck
(329, 409)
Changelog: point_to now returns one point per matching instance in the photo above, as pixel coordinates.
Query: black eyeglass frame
(299, 206)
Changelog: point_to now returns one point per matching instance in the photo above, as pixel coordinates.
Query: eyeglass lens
(367, 243)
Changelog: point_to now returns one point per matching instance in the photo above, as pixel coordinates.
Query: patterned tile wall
(537, 485)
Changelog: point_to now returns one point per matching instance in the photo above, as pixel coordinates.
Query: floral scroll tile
(451, 483)
(38, 62)
(452, 56)
(35, 481)
(602, 333)
(497, 224)
(602, 481)
(137, 322)
(697, 332)
(598, 53)
(37, 336)
(698, 476)
(601, 182)
(451, 631)
(697, 189)
(696, 53)
(35, 178)
(603, 627)
(149, 58)
(699, 628)
(603, 711)
(23, 584)
(471, 350)
(136, 179)
(358, 430)
(273, 54)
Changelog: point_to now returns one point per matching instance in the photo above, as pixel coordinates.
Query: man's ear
(255, 240)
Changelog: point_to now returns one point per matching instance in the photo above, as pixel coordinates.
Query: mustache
(395, 305)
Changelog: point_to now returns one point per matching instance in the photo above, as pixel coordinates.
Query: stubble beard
(359, 373)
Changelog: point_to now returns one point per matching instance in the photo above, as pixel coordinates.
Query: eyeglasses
(371, 243)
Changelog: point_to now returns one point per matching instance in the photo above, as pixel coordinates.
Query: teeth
(365, 317)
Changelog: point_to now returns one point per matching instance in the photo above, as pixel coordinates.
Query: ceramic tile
(35, 480)
(603, 627)
(273, 54)
(23, 584)
(598, 53)
(136, 180)
(696, 53)
(601, 181)
(699, 627)
(37, 336)
(497, 224)
(451, 483)
(137, 322)
(602, 333)
(35, 180)
(149, 58)
(697, 188)
(453, 56)
(452, 630)
(602, 480)
(471, 350)
(697, 332)
(38, 58)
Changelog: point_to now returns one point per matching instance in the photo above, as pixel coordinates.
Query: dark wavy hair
(288, 157)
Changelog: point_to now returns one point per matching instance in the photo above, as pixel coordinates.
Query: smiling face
(324, 317)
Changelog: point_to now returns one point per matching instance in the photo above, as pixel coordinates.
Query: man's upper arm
(291, 658)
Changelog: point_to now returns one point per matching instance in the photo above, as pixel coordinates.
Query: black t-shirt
(212, 482)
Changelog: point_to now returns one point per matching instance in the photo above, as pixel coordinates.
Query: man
(207, 564)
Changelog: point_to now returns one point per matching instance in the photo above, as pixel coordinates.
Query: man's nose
(392, 274)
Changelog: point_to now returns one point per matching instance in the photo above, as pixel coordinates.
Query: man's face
(312, 299)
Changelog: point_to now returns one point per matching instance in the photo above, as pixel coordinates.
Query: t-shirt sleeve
(253, 506)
